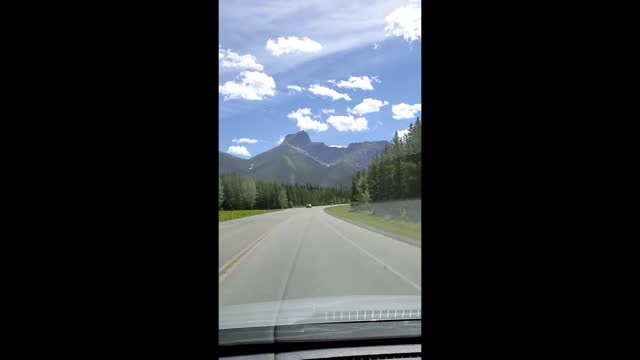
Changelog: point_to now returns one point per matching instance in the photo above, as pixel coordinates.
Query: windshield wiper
(339, 331)
(300, 337)
(348, 331)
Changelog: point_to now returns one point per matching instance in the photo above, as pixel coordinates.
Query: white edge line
(376, 259)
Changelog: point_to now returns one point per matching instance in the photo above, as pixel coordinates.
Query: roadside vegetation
(224, 215)
(406, 228)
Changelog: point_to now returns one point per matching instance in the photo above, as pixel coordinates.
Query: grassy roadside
(224, 215)
(408, 229)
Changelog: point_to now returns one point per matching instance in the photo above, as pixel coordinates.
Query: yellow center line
(228, 267)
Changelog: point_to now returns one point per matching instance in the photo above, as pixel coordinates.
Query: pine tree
(220, 193)
(282, 198)
(354, 189)
(249, 193)
(372, 179)
(418, 157)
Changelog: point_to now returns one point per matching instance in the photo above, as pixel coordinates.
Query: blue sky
(359, 61)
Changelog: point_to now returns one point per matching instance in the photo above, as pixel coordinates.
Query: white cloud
(244, 140)
(405, 21)
(281, 139)
(238, 150)
(331, 81)
(328, 111)
(402, 133)
(338, 146)
(379, 123)
(253, 85)
(348, 123)
(405, 111)
(292, 44)
(305, 122)
(368, 105)
(294, 87)
(325, 91)
(376, 79)
(337, 25)
(356, 82)
(375, 46)
(230, 59)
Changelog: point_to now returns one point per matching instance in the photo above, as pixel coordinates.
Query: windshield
(319, 188)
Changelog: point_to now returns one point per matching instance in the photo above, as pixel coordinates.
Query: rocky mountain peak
(300, 139)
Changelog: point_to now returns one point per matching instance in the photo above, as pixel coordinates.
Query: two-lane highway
(305, 253)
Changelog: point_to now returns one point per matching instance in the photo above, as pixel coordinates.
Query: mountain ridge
(299, 160)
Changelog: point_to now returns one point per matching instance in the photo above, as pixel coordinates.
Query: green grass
(405, 228)
(224, 215)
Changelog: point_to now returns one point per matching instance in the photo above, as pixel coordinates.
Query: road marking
(230, 265)
(376, 259)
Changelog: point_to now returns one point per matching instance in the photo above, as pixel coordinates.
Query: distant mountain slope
(286, 164)
(298, 160)
(230, 163)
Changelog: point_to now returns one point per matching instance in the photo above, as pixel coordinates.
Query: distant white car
(308, 206)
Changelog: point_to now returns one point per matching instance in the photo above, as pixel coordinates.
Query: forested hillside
(244, 193)
(394, 174)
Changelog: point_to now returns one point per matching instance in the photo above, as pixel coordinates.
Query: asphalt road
(305, 253)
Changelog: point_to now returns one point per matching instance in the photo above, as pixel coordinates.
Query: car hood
(320, 310)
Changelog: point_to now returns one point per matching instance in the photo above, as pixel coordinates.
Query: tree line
(394, 174)
(245, 193)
